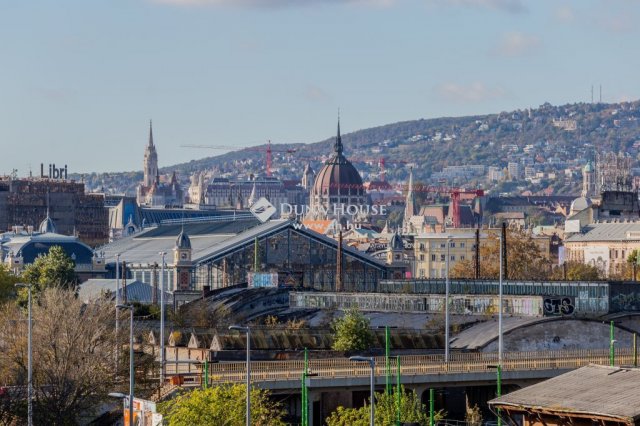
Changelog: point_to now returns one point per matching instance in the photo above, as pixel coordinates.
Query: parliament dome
(338, 177)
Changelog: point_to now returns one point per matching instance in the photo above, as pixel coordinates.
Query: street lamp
(372, 364)
(498, 368)
(29, 360)
(162, 354)
(131, 370)
(248, 331)
(117, 312)
(500, 340)
(446, 306)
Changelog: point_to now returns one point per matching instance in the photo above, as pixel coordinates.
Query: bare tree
(73, 353)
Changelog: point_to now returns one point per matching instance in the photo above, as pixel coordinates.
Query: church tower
(182, 264)
(150, 166)
(409, 206)
(588, 181)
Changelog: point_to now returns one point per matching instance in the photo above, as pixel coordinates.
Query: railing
(269, 371)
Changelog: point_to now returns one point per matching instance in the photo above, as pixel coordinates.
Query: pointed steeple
(337, 146)
(409, 205)
(252, 197)
(150, 133)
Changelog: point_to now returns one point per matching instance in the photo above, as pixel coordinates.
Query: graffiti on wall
(559, 305)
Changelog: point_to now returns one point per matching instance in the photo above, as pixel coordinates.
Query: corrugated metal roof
(592, 390)
(144, 248)
(137, 291)
(608, 231)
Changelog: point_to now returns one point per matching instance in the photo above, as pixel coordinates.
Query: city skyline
(83, 80)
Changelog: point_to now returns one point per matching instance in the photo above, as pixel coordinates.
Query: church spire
(150, 133)
(409, 204)
(337, 146)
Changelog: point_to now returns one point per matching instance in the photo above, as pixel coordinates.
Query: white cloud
(511, 6)
(266, 4)
(316, 94)
(474, 92)
(515, 44)
(619, 23)
(564, 13)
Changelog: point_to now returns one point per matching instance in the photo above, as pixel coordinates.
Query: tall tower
(150, 161)
(409, 205)
(588, 181)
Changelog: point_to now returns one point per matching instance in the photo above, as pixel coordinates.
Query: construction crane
(268, 151)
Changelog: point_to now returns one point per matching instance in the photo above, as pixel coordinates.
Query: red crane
(268, 151)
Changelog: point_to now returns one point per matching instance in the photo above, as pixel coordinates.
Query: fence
(268, 371)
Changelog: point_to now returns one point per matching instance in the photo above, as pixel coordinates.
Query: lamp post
(248, 331)
(131, 370)
(117, 312)
(498, 368)
(446, 306)
(500, 342)
(372, 364)
(162, 307)
(29, 360)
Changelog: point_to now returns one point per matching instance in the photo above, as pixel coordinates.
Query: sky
(80, 79)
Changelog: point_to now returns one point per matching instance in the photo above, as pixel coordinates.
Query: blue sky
(81, 79)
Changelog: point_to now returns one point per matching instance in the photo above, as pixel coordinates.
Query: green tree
(55, 269)
(7, 281)
(222, 405)
(411, 411)
(352, 331)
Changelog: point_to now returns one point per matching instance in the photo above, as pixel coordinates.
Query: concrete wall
(557, 335)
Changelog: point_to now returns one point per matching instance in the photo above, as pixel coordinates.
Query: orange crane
(268, 151)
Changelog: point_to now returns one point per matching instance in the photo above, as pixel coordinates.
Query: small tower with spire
(182, 263)
(253, 196)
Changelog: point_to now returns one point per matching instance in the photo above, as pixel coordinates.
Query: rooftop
(593, 390)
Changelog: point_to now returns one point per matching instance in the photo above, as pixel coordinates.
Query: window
(433, 257)
(453, 258)
(443, 258)
(422, 257)
(421, 246)
(462, 245)
(443, 245)
(452, 244)
(421, 273)
(462, 257)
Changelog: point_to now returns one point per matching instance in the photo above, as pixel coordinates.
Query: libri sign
(54, 172)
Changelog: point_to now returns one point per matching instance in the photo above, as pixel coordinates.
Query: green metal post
(398, 391)
(612, 353)
(635, 349)
(499, 372)
(206, 374)
(431, 403)
(386, 359)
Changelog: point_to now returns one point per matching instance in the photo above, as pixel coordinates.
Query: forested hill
(549, 135)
